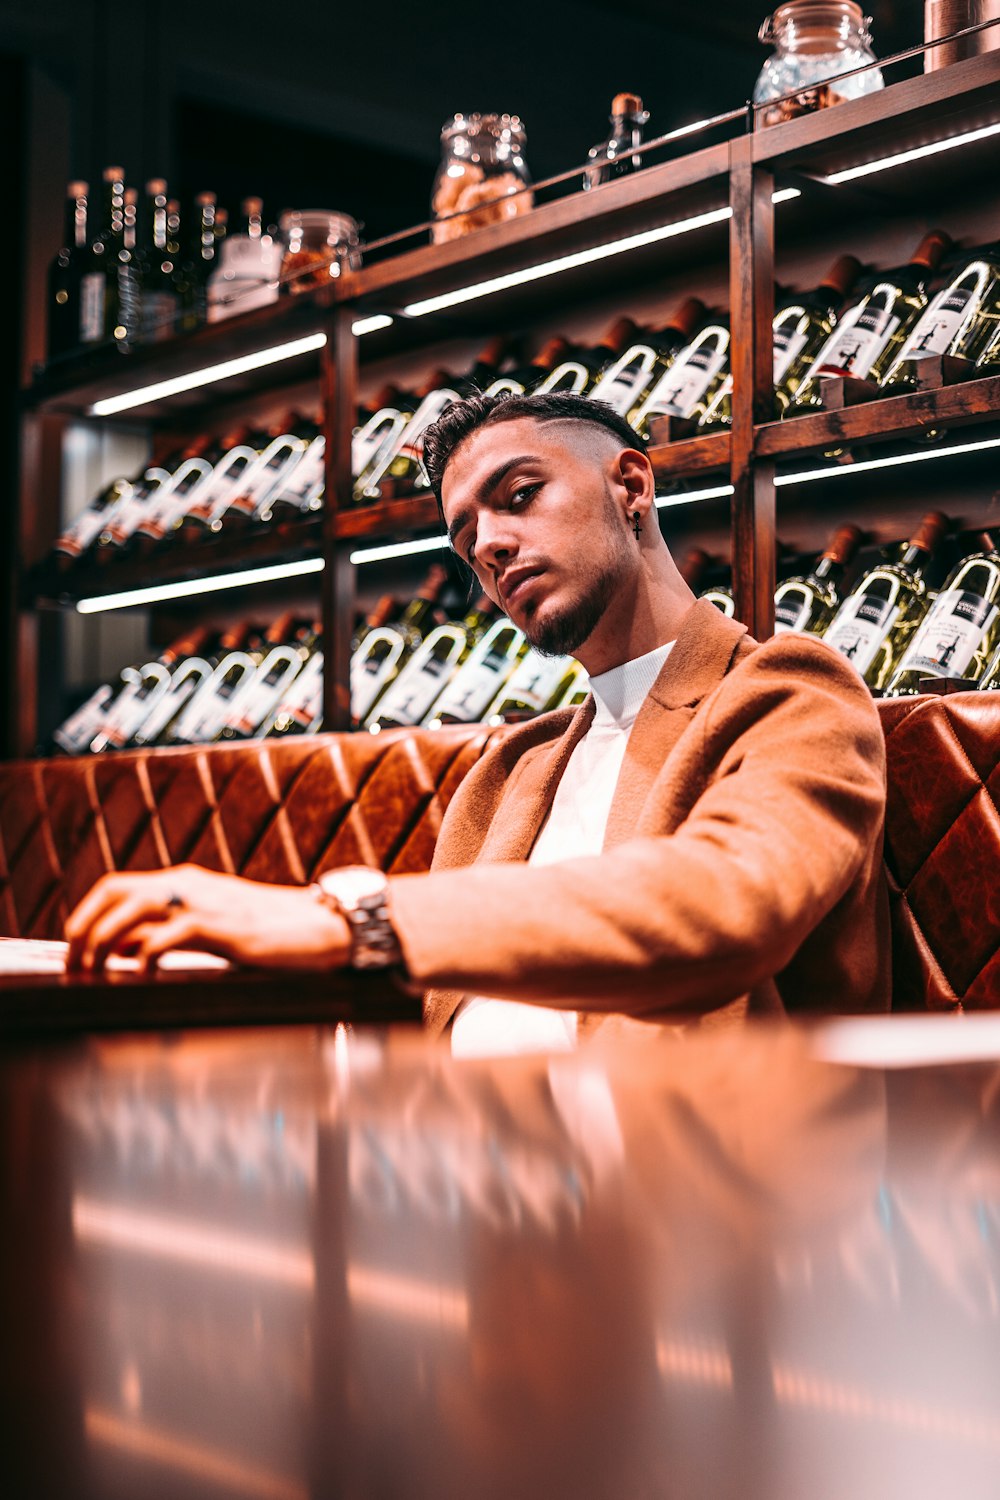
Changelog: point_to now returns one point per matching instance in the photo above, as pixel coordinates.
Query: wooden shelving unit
(710, 207)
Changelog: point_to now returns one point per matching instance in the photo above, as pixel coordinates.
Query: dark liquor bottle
(65, 274)
(959, 632)
(614, 157)
(127, 331)
(156, 267)
(809, 603)
(99, 281)
(865, 341)
(196, 266)
(875, 622)
(959, 321)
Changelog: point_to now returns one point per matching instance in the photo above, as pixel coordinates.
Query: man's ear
(635, 474)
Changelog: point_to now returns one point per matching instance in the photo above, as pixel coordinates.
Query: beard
(564, 633)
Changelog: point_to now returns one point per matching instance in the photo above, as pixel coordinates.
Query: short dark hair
(463, 418)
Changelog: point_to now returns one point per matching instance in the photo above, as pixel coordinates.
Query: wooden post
(751, 301)
(339, 376)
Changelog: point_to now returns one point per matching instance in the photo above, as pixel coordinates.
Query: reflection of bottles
(808, 604)
(537, 683)
(961, 628)
(65, 273)
(864, 343)
(480, 678)
(686, 388)
(958, 321)
(613, 157)
(876, 620)
(421, 681)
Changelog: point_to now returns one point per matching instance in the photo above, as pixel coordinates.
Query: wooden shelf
(891, 418)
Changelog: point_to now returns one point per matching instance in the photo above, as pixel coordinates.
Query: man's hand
(266, 926)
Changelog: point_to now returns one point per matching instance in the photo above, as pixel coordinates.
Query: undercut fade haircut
(460, 420)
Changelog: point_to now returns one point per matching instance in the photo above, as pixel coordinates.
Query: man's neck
(633, 627)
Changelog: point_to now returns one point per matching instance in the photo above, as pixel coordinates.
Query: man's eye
(524, 493)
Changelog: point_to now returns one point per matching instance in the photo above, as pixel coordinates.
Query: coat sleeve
(790, 814)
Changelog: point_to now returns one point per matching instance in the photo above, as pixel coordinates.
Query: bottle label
(89, 526)
(570, 376)
(791, 610)
(950, 635)
(476, 684)
(159, 314)
(374, 438)
(263, 690)
(372, 666)
(275, 463)
(942, 325)
(861, 626)
(420, 682)
(206, 713)
(247, 276)
(789, 341)
(855, 346)
(623, 384)
(92, 299)
(536, 680)
(686, 382)
(304, 699)
(185, 683)
(134, 703)
(212, 501)
(305, 476)
(84, 723)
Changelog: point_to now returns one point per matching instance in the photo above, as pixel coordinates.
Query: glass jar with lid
(319, 244)
(483, 178)
(815, 42)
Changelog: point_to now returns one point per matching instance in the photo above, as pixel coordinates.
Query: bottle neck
(827, 568)
(915, 558)
(75, 223)
(114, 212)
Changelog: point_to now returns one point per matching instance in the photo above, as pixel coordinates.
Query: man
(701, 838)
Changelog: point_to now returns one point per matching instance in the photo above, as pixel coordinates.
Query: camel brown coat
(742, 864)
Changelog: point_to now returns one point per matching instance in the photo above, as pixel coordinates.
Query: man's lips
(511, 584)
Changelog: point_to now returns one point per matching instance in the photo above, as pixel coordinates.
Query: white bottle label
(92, 295)
(537, 679)
(298, 489)
(950, 635)
(791, 609)
(261, 693)
(678, 391)
(374, 438)
(942, 325)
(83, 724)
(184, 684)
(207, 710)
(247, 276)
(477, 682)
(371, 667)
(174, 488)
(304, 699)
(862, 624)
(419, 684)
(570, 376)
(856, 344)
(622, 385)
(213, 498)
(789, 341)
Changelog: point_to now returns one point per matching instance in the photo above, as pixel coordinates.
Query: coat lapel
(529, 793)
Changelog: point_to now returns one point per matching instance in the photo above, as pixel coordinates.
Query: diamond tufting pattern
(286, 812)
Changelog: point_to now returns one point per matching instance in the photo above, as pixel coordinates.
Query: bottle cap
(156, 187)
(989, 545)
(203, 199)
(77, 189)
(235, 636)
(437, 577)
(113, 174)
(281, 630)
(687, 316)
(626, 104)
(386, 395)
(494, 351)
(551, 353)
(932, 528)
(188, 645)
(130, 196)
(382, 611)
(843, 544)
(842, 274)
(252, 206)
(621, 332)
(435, 382)
(931, 249)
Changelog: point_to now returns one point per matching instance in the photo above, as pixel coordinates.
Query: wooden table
(313, 1263)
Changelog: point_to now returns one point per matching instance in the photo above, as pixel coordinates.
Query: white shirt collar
(619, 694)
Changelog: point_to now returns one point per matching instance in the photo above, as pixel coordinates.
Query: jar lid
(328, 221)
(498, 127)
(807, 14)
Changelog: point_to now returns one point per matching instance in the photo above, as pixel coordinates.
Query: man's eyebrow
(485, 490)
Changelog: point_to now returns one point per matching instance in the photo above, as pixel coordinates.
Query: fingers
(153, 938)
(114, 925)
(101, 896)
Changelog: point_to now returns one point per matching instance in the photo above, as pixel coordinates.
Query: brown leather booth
(285, 811)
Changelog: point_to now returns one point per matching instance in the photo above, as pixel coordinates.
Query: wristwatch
(361, 895)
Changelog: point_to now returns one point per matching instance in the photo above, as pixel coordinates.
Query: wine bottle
(99, 281)
(801, 325)
(875, 621)
(402, 459)
(525, 378)
(192, 272)
(301, 708)
(990, 680)
(537, 683)
(83, 531)
(127, 332)
(807, 604)
(270, 470)
(241, 450)
(685, 390)
(381, 614)
(156, 493)
(260, 695)
(582, 366)
(385, 648)
(142, 689)
(65, 275)
(186, 679)
(958, 633)
(958, 321)
(479, 678)
(866, 339)
(421, 681)
(486, 367)
(249, 266)
(240, 654)
(155, 268)
(613, 157)
(625, 382)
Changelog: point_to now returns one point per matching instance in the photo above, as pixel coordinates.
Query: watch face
(353, 883)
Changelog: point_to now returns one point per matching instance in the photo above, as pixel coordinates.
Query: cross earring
(635, 524)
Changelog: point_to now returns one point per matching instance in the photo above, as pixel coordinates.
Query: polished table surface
(311, 1262)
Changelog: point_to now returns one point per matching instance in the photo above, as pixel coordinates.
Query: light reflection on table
(312, 1263)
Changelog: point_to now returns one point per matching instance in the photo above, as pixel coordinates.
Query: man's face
(536, 509)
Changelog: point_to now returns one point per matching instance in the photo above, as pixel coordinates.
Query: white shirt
(575, 826)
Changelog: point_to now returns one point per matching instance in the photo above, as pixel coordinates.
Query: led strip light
(110, 405)
(885, 163)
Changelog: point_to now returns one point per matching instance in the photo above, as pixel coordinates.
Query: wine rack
(714, 207)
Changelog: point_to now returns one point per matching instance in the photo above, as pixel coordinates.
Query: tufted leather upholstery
(287, 811)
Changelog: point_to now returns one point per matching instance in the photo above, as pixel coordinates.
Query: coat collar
(706, 645)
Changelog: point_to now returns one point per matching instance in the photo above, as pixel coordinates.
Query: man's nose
(496, 541)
